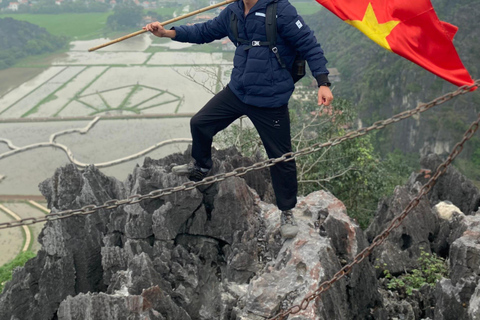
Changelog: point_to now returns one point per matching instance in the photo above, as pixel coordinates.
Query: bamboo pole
(163, 24)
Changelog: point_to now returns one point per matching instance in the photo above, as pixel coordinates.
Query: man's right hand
(157, 29)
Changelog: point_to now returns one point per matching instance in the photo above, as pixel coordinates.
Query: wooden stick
(163, 24)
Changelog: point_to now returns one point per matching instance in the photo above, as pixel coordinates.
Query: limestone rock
(310, 258)
(457, 297)
(402, 248)
(70, 261)
(215, 254)
(445, 210)
(474, 305)
(465, 255)
(451, 186)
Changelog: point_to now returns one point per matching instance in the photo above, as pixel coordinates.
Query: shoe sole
(181, 170)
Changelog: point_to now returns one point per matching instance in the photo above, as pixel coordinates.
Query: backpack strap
(271, 30)
(234, 28)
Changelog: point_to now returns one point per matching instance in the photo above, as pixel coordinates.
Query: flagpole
(163, 24)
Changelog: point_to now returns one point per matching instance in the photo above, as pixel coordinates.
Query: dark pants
(273, 126)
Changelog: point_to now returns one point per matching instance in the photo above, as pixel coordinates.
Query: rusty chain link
(379, 239)
(136, 198)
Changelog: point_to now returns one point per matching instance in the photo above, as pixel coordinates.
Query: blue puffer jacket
(257, 77)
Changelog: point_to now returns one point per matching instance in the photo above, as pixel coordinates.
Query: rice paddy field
(159, 89)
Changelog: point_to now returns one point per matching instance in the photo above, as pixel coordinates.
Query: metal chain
(114, 203)
(396, 222)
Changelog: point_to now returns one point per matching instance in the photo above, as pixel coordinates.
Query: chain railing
(396, 222)
(114, 203)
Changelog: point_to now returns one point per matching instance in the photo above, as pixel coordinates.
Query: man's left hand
(325, 96)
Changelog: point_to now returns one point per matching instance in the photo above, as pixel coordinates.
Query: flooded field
(122, 80)
(107, 140)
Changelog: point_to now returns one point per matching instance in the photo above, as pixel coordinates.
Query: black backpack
(298, 68)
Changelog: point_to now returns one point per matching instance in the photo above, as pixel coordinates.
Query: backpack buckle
(274, 50)
(255, 43)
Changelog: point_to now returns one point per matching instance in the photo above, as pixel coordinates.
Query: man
(259, 88)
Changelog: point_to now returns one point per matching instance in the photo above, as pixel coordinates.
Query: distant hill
(19, 39)
(381, 83)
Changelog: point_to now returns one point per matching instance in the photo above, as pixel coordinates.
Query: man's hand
(325, 96)
(157, 29)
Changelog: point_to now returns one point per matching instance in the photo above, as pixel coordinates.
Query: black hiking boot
(191, 171)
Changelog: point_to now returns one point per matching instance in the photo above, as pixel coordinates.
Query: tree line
(50, 7)
(20, 39)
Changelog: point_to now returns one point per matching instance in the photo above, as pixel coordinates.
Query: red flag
(411, 29)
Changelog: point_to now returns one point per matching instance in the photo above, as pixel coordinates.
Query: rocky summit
(217, 253)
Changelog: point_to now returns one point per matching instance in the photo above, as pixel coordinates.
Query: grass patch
(6, 269)
(72, 25)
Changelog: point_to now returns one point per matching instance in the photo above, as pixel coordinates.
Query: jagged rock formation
(190, 255)
(218, 254)
(455, 235)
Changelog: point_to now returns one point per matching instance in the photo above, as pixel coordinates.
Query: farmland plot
(187, 58)
(21, 92)
(103, 58)
(122, 80)
(34, 98)
(139, 43)
(108, 140)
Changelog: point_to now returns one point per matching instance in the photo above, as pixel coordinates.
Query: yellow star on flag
(378, 32)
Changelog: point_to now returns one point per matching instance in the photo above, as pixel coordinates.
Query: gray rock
(70, 260)
(218, 254)
(445, 210)
(450, 299)
(474, 305)
(465, 255)
(93, 306)
(456, 298)
(152, 304)
(403, 246)
(451, 186)
(189, 255)
(307, 260)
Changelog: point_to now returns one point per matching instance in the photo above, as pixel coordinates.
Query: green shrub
(431, 269)
(6, 269)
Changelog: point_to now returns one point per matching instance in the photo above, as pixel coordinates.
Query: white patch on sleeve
(260, 14)
(299, 24)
